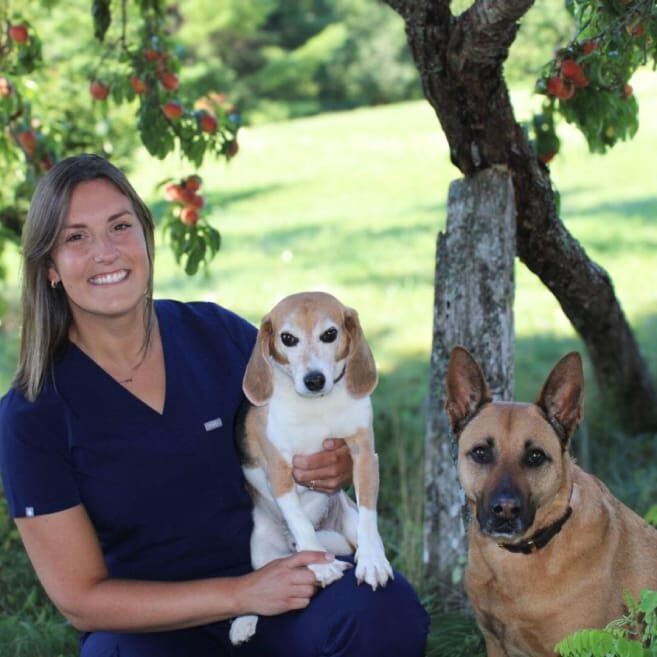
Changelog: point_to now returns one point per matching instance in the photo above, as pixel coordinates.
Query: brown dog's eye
(329, 335)
(289, 340)
(482, 454)
(535, 457)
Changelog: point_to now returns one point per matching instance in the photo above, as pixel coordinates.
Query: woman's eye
(482, 454)
(122, 226)
(329, 335)
(289, 340)
(535, 457)
(73, 237)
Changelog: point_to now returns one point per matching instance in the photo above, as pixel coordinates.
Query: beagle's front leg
(372, 565)
(284, 491)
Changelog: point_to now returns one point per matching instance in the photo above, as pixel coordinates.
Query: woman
(118, 460)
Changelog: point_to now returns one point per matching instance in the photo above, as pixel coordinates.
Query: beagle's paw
(373, 568)
(242, 629)
(328, 573)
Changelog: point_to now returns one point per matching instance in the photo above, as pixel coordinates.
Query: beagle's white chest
(298, 425)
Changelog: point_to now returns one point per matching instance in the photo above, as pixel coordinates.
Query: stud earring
(54, 284)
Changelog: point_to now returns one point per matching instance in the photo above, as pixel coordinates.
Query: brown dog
(551, 550)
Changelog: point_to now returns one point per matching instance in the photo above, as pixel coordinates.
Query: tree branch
(484, 32)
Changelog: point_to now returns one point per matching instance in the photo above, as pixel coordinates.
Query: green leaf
(102, 16)
(648, 599)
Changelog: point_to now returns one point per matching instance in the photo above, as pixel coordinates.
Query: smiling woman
(118, 459)
(102, 262)
(66, 215)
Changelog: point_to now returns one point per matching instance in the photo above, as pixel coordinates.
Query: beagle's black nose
(314, 381)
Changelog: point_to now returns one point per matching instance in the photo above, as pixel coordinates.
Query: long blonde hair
(46, 315)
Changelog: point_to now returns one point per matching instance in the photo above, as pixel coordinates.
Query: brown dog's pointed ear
(466, 386)
(360, 374)
(562, 396)
(258, 385)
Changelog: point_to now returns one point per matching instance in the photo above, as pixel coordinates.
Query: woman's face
(100, 254)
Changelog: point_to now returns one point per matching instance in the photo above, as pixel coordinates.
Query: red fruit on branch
(231, 148)
(28, 141)
(152, 55)
(189, 216)
(560, 88)
(174, 193)
(587, 47)
(45, 163)
(99, 90)
(196, 200)
(570, 68)
(172, 109)
(169, 80)
(628, 91)
(572, 71)
(19, 33)
(6, 88)
(138, 85)
(193, 183)
(207, 122)
(634, 25)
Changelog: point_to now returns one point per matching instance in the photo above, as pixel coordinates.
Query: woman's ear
(258, 385)
(360, 374)
(52, 275)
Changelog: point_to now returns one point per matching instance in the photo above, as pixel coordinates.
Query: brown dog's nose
(314, 381)
(506, 507)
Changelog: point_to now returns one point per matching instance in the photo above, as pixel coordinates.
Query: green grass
(351, 203)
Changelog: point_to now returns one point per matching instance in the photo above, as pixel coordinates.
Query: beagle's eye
(535, 458)
(289, 340)
(482, 454)
(329, 335)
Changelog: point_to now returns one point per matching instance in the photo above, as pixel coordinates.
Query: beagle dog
(309, 378)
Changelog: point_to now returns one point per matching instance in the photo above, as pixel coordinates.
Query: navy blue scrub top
(165, 492)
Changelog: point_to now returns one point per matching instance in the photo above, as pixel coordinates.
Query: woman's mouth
(110, 278)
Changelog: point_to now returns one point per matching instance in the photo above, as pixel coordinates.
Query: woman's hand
(327, 471)
(282, 585)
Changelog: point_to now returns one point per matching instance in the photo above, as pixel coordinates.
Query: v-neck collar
(111, 384)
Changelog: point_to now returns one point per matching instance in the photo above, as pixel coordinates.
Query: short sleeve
(37, 473)
(241, 333)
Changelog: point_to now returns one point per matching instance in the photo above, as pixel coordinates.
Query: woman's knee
(348, 620)
(387, 622)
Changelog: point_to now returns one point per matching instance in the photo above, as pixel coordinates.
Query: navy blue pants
(343, 620)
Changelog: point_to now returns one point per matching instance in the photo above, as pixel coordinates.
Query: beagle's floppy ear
(258, 385)
(360, 374)
(562, 396)
(466, 386)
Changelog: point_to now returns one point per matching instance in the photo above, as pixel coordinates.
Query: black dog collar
(344, 369)
(541, 538)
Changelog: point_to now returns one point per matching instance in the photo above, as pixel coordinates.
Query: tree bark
(460, 63)
(473, 307)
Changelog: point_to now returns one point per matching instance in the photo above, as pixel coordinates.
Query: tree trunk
(473, 307)
(460, 63)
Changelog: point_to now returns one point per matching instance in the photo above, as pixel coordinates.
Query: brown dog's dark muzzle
(505, 512)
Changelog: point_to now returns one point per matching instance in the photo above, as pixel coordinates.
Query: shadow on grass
(635, 211)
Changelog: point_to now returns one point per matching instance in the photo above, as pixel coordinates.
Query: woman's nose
(104, 250)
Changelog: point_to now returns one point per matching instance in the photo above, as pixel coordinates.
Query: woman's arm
(66, 555)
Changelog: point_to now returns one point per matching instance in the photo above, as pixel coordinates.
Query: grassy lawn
(351, 203)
